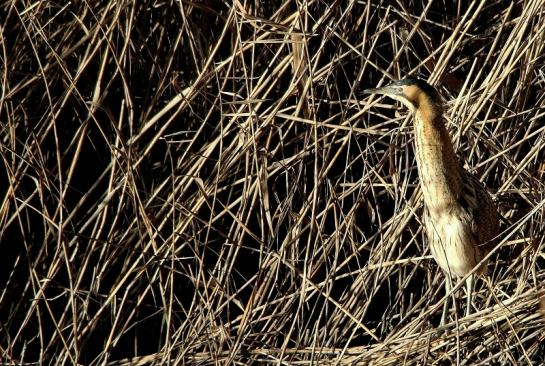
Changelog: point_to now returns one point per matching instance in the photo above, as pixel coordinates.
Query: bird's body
(460, 218)
(461, 235)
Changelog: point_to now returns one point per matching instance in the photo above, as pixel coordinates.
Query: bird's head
(417, 95)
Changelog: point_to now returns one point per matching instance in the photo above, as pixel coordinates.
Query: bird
(460, 219)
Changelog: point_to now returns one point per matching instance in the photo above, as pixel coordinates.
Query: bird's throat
(439, 169)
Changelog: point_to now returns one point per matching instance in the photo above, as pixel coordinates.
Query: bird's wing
(480, 210)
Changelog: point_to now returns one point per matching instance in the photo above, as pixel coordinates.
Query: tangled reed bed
(201, 183)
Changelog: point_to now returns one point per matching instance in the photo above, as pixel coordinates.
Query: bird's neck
(439, 170)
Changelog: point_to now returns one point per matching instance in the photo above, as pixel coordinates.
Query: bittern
(459, 218)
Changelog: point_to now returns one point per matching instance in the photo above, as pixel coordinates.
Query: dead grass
(201, 183)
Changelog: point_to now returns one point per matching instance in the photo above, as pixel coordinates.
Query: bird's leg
(448, 287)
(469, 287)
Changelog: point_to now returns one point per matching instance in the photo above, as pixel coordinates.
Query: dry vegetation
(201, 182)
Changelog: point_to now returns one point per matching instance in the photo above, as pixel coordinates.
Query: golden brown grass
(201, 183)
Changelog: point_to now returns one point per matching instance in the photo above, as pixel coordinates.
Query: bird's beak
(389, 90)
